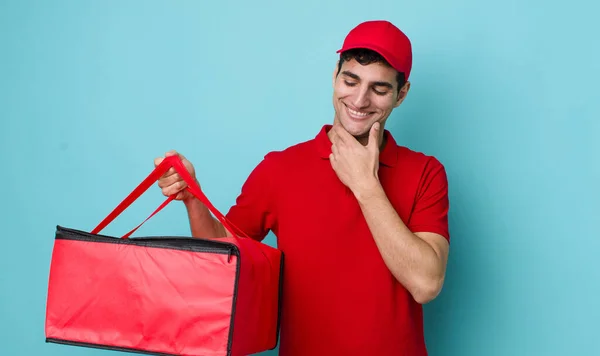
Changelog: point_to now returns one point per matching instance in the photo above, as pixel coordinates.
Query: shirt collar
(387, 156)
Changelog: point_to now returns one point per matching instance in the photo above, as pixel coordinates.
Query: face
(363, 95)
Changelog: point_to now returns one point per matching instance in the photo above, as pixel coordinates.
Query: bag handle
(162, 168)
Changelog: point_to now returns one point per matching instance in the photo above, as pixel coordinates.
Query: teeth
(358, 113)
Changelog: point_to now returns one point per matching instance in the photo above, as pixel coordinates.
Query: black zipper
(172, 242)
(105, 347)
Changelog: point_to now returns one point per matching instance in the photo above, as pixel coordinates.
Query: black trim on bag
(193, 244)
(279, 302)
(233, 307)
(105, 347)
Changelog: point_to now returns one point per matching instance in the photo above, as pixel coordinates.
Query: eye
(350, 84)
(379, 92)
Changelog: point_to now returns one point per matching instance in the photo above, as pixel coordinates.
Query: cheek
(385, 104)
(342, 90)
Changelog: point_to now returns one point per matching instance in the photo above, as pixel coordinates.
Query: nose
(361, 100)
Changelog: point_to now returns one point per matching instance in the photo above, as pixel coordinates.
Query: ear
(402, 94)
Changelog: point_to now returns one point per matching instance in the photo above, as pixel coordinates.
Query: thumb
(374, 136)
(175, 153)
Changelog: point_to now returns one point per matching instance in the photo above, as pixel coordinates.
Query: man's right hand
(171, 182)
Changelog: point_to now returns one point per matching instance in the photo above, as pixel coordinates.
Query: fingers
(335, 149)
(169, 172)
(166, 181)
(172, 185)
(158, 160)
(333, 136)
(337, 142)
(374, 136)
(186, 163)
(171, 182)
(175, 188)
(174, 153)
(338, 134)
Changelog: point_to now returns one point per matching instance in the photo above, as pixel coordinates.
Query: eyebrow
(356, 77)
(351, 75)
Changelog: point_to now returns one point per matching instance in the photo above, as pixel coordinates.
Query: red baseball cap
(384, 38)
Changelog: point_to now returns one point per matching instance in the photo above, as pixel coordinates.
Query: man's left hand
(355, 165)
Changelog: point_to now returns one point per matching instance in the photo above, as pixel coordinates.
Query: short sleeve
(254, 209)
(430, 212)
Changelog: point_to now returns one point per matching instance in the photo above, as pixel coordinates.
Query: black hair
(366, 56)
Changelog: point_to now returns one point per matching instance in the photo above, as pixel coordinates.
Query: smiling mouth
(359, 115)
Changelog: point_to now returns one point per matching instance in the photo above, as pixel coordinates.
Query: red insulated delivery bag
(164, 295)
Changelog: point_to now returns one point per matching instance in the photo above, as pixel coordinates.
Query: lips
(357, 115)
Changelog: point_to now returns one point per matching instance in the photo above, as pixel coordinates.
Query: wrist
(368, 190)
(190, 202)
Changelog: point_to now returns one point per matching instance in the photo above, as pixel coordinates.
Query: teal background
(503, 93)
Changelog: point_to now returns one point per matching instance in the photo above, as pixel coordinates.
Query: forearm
(412, 261)
(202, 223)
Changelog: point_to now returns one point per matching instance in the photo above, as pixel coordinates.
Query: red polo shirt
(339, 297)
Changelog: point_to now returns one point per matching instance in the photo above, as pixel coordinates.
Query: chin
(359, 134)
(357, 129)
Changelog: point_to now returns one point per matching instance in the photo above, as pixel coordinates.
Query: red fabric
(384, 38)
(141, 298)
(257, 307)
(339, 297)
(137, 295)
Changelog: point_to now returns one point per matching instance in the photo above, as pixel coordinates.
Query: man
(362, 222)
